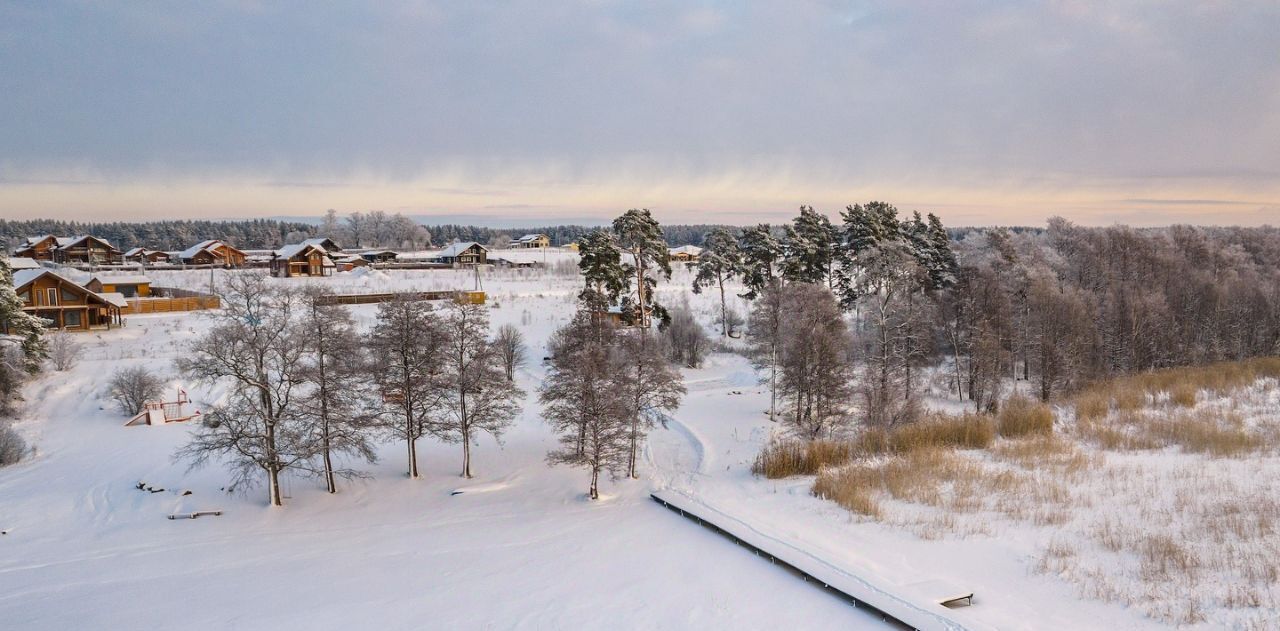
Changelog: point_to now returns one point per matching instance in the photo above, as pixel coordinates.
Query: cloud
(592, 104)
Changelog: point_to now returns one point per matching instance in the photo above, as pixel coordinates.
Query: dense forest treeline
(374, 230)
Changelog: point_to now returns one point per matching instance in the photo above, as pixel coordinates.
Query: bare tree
(408, 341)
(686, 340)
(256, 347)
(130, 388)
(500, 241)
(816, 374)
(12, 445)
(64, 351)
(651, 388)
(581, 400)
(509, 342)
(764, 333)
(338, 402)
(478, 396)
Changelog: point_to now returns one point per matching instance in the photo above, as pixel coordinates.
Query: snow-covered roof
(117, 299)
(24, 276)
(22, 262)
(294, 249)
(320, 241)
(459, 248)
(122, 279)
(135, 251)
(531, 237)
(34, 240)
(195, 249)
(66, 242)
(691, 250)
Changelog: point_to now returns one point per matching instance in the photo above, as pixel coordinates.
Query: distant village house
(302, 259)
(127, 285)
(85, 249)
(145, 256)
(684, 253)
(464, 253)
(213, 252)
(532, 241)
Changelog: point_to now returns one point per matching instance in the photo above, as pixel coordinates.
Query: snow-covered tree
(130, 388)
(720, 261)
(815, 366)
(764, 335)
(652, 389)
(14, 321)
(408, 340)
(606, 278)
(478, 395)
(339, 399)
(509, 342)
(637, 233)
(760, 255)
(256, 348)
(582, 401)
(685, 338)
(808, 248)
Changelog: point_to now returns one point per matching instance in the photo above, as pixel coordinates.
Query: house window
(71, 319)
(26, 297)
(68, 295)
(51, 296)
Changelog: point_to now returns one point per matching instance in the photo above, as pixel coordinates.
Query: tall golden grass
(1020, 416)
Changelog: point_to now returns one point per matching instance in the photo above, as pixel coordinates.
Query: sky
(1144, 113)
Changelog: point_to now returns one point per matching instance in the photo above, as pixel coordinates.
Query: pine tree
(809, 248)
(639, 235)
(14, 321)
(720, 261)
(943, 268)
(760, 255)
(605, 276)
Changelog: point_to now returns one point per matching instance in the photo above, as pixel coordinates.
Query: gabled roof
(195, 249)
(686, 249)
(25, 277)
(324, 242)
(459, 248)
(531, 237)
(292, 250)
(135, 251)
(67, 242)
(36, 240)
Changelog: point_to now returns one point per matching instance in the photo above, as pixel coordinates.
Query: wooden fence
(140, 306)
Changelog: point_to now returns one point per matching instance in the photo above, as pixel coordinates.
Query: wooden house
(350, 262)
(379, 256)
(464, 253)
(65, 304)
(684, 253)
(212, 252)
(85, 250)
(532, 241)
(127, 285)
(38, 248)
(302, 259)
(145, 256)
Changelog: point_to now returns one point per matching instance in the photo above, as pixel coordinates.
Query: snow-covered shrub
(12, 445)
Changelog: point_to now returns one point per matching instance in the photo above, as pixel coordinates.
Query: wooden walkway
(891, 608)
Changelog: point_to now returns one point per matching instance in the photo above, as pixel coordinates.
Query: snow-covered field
(520, 547)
